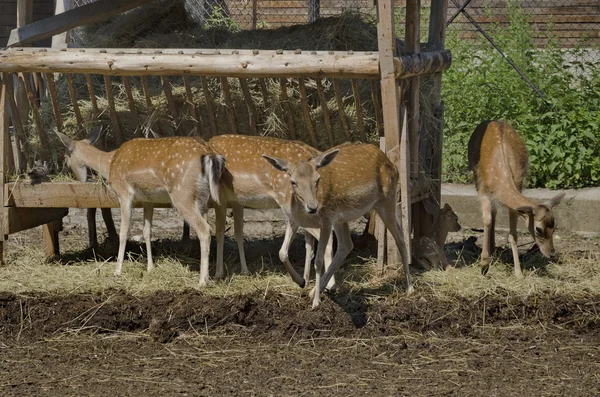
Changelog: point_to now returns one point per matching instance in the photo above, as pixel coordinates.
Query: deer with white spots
(249, 181)
(183, 171)
(334, 188)
(428, 251)
(499, 160)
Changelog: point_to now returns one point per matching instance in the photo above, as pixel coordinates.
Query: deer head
(73, 156)
(449, 219)
(304, 177)
(541, 223)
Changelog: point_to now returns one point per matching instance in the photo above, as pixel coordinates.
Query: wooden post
(314, 10)
(50, 233)
(325, 109)
(285, 102)
(24, 17)
(4, 145)
(229, 104)
(209, 105)
(254, 12)
(390, 96)
(21, 144)
(376, 107)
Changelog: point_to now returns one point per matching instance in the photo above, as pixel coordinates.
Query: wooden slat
(264, 91)
(306, 111)
(229, 104)
(21, 144)
(341, 109)
(209, 105)
(113, 112)
(73, 95)
(376, 107)
(130, 99)
(412, 45)
(169, 96)
(92, 93)
(285, 102)
(54, 99)
(20, 219)
(146, 89)
(325, 109)
(192, 108)
(37, 119)
(360, 123)
(252, 113)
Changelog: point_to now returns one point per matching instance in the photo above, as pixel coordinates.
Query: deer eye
(539, 231)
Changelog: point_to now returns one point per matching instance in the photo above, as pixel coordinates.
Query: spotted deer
(249, 181)
(178, 170)
(334, 188)
(428, 251)
(499, 160)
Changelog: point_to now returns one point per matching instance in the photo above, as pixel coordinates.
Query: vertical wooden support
(4, 145)
(380, 231)
(264, 91)
(412, 45)
(21, 144)
(376, 107)
(113, 110)
(306, 112)
(60, 40)
(209, 105)
(50, 234)
(24, 17)
(169, 96)
(73, 95)
(229, 104)
(252, 114)
(254, 13)
(390, 96)
(130, 100)
(341, 111)
(360, 123)
(285, 102)
(92, 92)
(325, 109)
(192, 108)
(146, 89)
(54, 99)
(314, 10)
(37, 119)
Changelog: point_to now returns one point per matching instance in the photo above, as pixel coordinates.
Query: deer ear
(447, 207)
(556, 199)
(526, 210)
(324, 159)
(279, 164)
(94, 134)
(67, 141)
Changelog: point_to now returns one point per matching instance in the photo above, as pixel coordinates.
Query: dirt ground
(269, 343)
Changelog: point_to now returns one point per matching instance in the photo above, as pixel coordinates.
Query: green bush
(562, 132)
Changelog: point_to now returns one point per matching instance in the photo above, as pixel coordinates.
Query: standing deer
(334, 188)
(178, 170)
(499, 160)
(428, 251)
(249, 181)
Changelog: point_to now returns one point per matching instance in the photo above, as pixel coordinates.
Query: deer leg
(513, 217)
(91, 223)
(344, 247)
(319, 259)
(148, 213)
(316, 233)
(309, 244)
(290, 233)
(220, 217)
(394, 224)
(109, 223)
(186, 232)
(486, 211)
(238, 229)
(126, 207)
(494, 211)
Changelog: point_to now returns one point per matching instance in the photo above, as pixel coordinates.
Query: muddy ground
(268, 343)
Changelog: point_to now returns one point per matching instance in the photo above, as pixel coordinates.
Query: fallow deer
(334, 188)
(428, 251)
(249, 181)
(178, 170)
(499, 160)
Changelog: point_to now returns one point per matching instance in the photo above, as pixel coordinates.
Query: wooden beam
(70, 19)
(4, 143)
(60, 40)
(24, 12)
(19, 219)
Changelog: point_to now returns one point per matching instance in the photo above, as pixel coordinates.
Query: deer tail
(212, 167)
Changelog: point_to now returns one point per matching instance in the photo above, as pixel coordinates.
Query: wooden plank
(146, 89)
(285, 103)
(54, 99)
(24, 12)
(341, 108)
(360, 123)
(306, 111)
(100, 9)
(130, 99)
(73, 95)
(229, 104)
(37, 119)
(50, 235)
(325, 109)
(406, 198)
(92, 93)
(377, 107)
(22, 146)
(169, 96)
(20, 219)
(4, 145)
(113, 111)
(412, 46)
(192, 108)
(209, 105)
(264, 91)
(60, 40)
(252, 113)
(380, 230)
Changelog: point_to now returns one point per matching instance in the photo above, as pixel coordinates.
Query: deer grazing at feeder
(428, 251)
(499, 160)
(179, 170)
(249, 181)
(334, 188)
